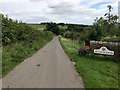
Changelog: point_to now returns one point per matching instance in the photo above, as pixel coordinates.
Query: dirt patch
(40, 28)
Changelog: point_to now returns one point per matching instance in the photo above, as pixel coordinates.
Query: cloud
(61, 8)
(68, 11)
(10, 1)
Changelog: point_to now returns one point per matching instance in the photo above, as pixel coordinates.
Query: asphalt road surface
(50, 67)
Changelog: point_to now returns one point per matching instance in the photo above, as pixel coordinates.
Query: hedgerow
(14, 31)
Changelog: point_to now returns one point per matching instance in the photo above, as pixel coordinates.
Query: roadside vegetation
(19, 42)
(96, 72)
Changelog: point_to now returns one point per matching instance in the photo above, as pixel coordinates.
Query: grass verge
(96, 72)
(14, 54)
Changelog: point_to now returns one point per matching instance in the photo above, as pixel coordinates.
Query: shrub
(111, 39)
(72, 35)
(14, 31)
(83, 50)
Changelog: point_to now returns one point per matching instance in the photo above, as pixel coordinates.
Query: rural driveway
(50, 67)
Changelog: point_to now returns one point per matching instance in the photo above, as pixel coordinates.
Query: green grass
(14, 54)
(62, 27)
(96, 72)
(37, 26)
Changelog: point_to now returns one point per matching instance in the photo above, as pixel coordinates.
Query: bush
(83, 50)
(72, 35)
(12, 31)
(111, 39)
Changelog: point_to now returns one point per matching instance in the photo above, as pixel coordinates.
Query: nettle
(84, 50)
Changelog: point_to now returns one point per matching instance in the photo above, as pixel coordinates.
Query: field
(62, 27)
(96, 72)
(38, 26)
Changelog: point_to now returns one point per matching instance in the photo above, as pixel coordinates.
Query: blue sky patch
(97, 6)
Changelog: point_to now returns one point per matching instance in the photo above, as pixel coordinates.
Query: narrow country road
(50, 67)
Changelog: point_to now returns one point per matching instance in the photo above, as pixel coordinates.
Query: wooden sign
(103, 50)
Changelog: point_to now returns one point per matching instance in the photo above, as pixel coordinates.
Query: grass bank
(14, 54)
(96, 72)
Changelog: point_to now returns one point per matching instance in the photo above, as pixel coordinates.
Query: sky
(66, 11)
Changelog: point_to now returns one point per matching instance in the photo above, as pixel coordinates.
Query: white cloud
(68, 11)
(10, 1)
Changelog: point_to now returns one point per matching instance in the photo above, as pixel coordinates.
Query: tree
(62, 24)
(109, 8)
(108, 15)
(97, 31)
(53, 27)
(114, 19)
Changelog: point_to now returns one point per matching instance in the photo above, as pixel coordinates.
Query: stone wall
(112, 46)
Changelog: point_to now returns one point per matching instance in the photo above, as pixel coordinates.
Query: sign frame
(104, 51)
